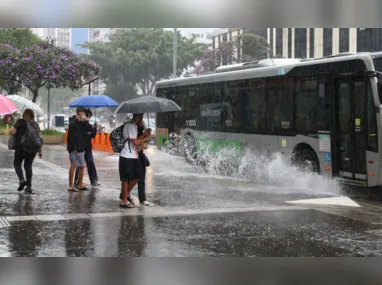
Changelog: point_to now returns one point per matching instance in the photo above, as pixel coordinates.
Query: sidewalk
(50, 181)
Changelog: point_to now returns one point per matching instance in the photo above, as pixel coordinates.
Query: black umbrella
(147, 104)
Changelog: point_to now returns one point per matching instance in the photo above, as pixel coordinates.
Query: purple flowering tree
(44, 65)
(48, 66)
(9, 68)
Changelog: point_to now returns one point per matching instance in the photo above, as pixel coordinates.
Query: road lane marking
(154, 212)
(333, 201)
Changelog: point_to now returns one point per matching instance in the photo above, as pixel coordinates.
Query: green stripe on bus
(214, 145)
(161, 140)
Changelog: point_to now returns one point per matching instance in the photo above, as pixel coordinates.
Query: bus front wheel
(306, 160)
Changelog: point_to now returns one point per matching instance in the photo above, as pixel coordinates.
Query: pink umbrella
(7, 107)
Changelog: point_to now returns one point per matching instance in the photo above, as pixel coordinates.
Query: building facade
(310, 42)
(101, 34)
(62, 36)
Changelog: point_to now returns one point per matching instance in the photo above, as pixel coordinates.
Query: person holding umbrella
(91, 133)
(129, 164)
(144, 162)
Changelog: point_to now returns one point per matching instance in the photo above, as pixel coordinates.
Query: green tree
(19, 39)
(223, 54)
(60, 98)
(253, 47)
(121, 92)
(141, 57)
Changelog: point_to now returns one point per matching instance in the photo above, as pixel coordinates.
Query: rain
(263, 142)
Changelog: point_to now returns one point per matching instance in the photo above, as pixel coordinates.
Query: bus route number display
(191, 123)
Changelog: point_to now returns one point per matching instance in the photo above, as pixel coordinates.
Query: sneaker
(22, 185)
(96, 183)
(145, 203)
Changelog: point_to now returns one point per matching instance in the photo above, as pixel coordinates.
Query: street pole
(48, 108)
(175, 52)
(51, 42)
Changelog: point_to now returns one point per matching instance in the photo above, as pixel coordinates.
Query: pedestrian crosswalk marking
(151, 212)
(4, 223)
(334, 201)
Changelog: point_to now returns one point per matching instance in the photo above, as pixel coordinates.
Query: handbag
(11, 143)
(143, 158)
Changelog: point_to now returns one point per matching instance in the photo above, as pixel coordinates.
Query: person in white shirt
(129, 165)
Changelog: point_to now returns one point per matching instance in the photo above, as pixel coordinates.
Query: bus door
(349, 128)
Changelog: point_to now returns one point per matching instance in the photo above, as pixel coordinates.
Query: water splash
(275, 170)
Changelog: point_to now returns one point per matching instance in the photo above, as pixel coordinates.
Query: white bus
(323, 113)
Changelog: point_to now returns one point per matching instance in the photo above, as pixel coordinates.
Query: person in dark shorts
(91, 133)
(129, 165)
(77, 141)
(144, 162)
(18, 130)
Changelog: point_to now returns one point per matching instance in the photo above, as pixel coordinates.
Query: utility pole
(51, 43)
(175, 52)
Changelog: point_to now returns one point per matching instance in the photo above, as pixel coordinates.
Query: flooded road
(193, 212)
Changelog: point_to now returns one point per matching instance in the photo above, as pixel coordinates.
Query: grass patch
(3, 127)
(52, 133)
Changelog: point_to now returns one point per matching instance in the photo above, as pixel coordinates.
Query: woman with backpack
(28, 143)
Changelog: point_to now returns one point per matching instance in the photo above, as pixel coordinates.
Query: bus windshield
(378, 67)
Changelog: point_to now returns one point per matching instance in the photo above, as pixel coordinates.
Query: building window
(289, 43)
(271, 42)
(300, 37)
(344, 40)
(279, 42)
(209, 36)
(328, 41)
(311, 42)
(369, 40)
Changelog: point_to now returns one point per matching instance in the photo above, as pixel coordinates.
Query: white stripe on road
(333, 201)
(149, 212)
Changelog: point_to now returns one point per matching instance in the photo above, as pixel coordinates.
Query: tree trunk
(35, 95)
(13, 89)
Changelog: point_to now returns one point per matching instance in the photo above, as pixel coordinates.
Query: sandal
(131, 200)
(126, 205)
(73, 189)
(85, 188)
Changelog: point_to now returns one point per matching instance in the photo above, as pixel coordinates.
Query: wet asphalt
(193, 213)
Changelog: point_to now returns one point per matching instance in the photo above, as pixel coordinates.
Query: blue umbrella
(94, 101)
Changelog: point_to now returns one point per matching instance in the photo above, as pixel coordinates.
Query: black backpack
(31, 140)
(117, 140)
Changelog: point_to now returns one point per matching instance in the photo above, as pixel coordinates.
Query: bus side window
(372, 134)
(256, 107)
